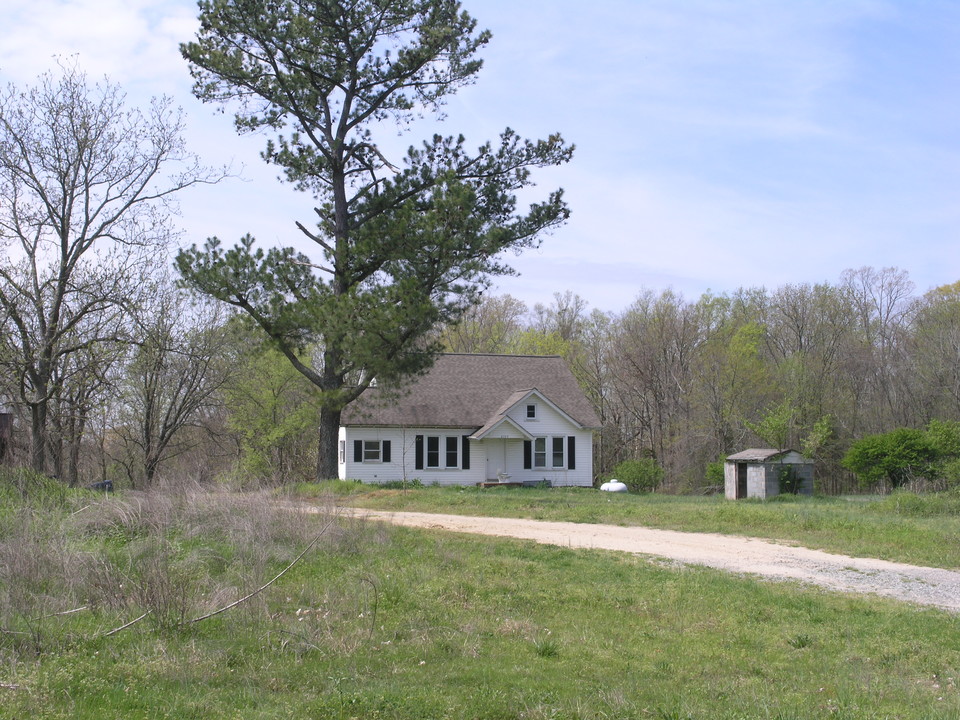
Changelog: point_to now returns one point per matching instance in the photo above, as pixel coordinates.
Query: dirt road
(910, 583)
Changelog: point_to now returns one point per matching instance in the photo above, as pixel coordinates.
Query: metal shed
(765, 472)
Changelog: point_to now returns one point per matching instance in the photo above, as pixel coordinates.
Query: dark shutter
(527, 454)
(465, 453)
(571, 452)
(418, 452)
(385, 456)
(358, 450)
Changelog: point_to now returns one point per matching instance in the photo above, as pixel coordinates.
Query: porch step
(514, 483)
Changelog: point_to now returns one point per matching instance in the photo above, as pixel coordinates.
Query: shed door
(741, 480)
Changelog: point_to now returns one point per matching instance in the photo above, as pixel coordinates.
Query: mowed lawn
(385, 622)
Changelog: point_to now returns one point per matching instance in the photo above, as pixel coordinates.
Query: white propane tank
(614, 486)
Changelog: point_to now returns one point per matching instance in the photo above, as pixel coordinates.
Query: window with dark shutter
(371, 451)
(527, 454)
(358, 450)
(385, 456)
(557, 454)
(452, 452)
(571, 452)
(433, 451)
(465, 453)
(540, 452)
(418, 452)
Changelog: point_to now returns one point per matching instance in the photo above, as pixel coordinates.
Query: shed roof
(761, 455)
(469, 390)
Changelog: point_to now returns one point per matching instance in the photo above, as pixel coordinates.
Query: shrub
(896, 457)
(401, 484)
(714, 474)
(790, 481)
(944, 437)
(950, 473)
(642, 475)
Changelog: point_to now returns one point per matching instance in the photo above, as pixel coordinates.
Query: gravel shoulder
(910, 583)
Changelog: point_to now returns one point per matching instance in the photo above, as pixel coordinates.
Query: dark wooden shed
(765, 472)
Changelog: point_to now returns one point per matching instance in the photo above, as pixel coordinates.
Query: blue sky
(719, 144)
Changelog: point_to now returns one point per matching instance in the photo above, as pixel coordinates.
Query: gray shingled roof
(468, 390)
(758, 454)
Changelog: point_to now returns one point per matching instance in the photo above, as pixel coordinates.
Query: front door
(741, 480)
(496, 459)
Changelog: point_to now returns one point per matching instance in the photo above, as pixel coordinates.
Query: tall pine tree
(400, 248)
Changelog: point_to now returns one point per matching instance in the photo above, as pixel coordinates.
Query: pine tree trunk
(327, 446)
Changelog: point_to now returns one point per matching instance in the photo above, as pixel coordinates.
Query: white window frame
(454, 442)
(447, 445)
(547, 450)
(562, 442)
(539, 452)
(532, 411)
(372, 451)
(434, 465)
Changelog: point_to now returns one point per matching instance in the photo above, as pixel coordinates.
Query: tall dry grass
(166, 556)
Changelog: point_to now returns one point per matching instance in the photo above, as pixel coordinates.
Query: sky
(720, 144)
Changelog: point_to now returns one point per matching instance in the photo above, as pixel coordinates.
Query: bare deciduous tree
(178, 365)
(86, 186)
(491, 326)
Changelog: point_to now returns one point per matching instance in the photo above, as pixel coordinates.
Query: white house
(473, 419)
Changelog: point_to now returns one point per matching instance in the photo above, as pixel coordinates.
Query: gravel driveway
(910, 583)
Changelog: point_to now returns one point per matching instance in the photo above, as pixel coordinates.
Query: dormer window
(531, 412)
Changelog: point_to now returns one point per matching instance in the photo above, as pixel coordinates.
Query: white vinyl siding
(403, 456)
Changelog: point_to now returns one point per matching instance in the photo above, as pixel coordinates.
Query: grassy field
(903, 527)
(382, 622)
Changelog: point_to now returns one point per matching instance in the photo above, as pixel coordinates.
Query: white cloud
(131, 41)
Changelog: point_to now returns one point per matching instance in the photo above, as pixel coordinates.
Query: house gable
(525, 410)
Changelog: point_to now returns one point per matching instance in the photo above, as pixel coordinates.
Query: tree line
(117, 367)
(189, 389)
(815, 367)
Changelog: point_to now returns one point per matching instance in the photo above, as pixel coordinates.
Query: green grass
(384, 622)
(922, 530)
